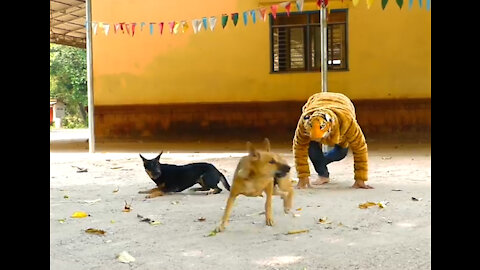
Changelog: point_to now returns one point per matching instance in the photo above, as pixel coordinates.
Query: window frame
(307, 38)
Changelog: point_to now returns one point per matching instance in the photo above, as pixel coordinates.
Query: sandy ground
(395, 237)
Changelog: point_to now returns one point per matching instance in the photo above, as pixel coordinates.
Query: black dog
(174, 178)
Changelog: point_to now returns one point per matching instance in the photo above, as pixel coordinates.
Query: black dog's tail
(223, 179)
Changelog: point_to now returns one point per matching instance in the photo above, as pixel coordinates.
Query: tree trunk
(83, 114)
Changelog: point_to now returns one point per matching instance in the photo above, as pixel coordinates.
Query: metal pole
(91, 108)
(323, 55)
(323, 46)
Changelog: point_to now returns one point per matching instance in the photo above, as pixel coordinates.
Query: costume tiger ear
(328, 118)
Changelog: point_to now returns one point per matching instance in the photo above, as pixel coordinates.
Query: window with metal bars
(295, 41)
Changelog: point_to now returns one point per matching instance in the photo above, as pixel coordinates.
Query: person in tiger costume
(329, 119)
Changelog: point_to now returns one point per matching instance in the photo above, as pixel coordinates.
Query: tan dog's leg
(268, 205)
(287, 196)
(226, 214)
(155, 193)
(147, 191)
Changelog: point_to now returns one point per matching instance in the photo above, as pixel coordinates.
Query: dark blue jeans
(321, 160)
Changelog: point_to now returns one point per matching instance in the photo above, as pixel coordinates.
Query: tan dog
(259, 172)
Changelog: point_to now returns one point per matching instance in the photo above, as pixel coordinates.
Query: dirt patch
(395, 237)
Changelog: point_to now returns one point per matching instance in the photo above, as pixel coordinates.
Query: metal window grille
(296, 42)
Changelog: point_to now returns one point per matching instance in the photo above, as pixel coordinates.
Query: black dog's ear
(158, 157)
(144, 159)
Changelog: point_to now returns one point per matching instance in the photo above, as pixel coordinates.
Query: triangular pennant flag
(197, 25)
(299, 4)
(121, 28)
(234, 18)
(384, 3)
(355, 2)
(274, 9)
(151, 28)
(204, 21)
(127, 26)
(287, 8)
(142, 24)
(263, 13)
(254, 16)
(100, 24)
(428, 4)
(319, 3)
(213, 22)
(245, 17)
(160, 26)
(410, 4)
(175, 28)
(133, 28)
(369, 3)
(184, 25)
(420, 3)
(400, 3)
(94, 26)
(106, 27)
(116, 27)
(325, 2)
(172, 25)
(224, 20)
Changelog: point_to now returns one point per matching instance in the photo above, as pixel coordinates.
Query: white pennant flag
(299, 5)
(213, 21)
(94, 26)
(106, 27)
(197, 25)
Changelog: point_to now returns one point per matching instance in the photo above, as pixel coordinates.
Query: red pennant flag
(171, 24)
(127, 25)
(121, 27)
(287, 8)
(161, 27)
(274, 9)
(263, 13)
(133, 28)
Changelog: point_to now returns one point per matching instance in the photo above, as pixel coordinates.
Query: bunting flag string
(273, 9)
(245, 18)
(299, 4)
(106, 28)
(160, 25)
(182, 25)
(224, 20)
(254, 17)
(151, 28)
(384, 3)
(400, 3)
(369, 3)
(234, 18)
(263, 13)
(171, 24)
(213, 22)
(204, 21)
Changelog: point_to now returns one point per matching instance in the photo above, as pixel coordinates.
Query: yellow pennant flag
(175, 28)
(355, 2)
(369, 3)
(184, 26)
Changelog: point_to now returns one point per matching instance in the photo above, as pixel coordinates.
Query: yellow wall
(389, 55)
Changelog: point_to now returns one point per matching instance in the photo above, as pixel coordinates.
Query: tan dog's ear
(252, 152)
(266, 144)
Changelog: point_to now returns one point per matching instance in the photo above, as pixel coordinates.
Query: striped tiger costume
(329, 118)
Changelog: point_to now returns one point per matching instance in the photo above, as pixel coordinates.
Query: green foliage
(68, 79)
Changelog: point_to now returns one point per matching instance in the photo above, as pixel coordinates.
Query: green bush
(72, 121)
